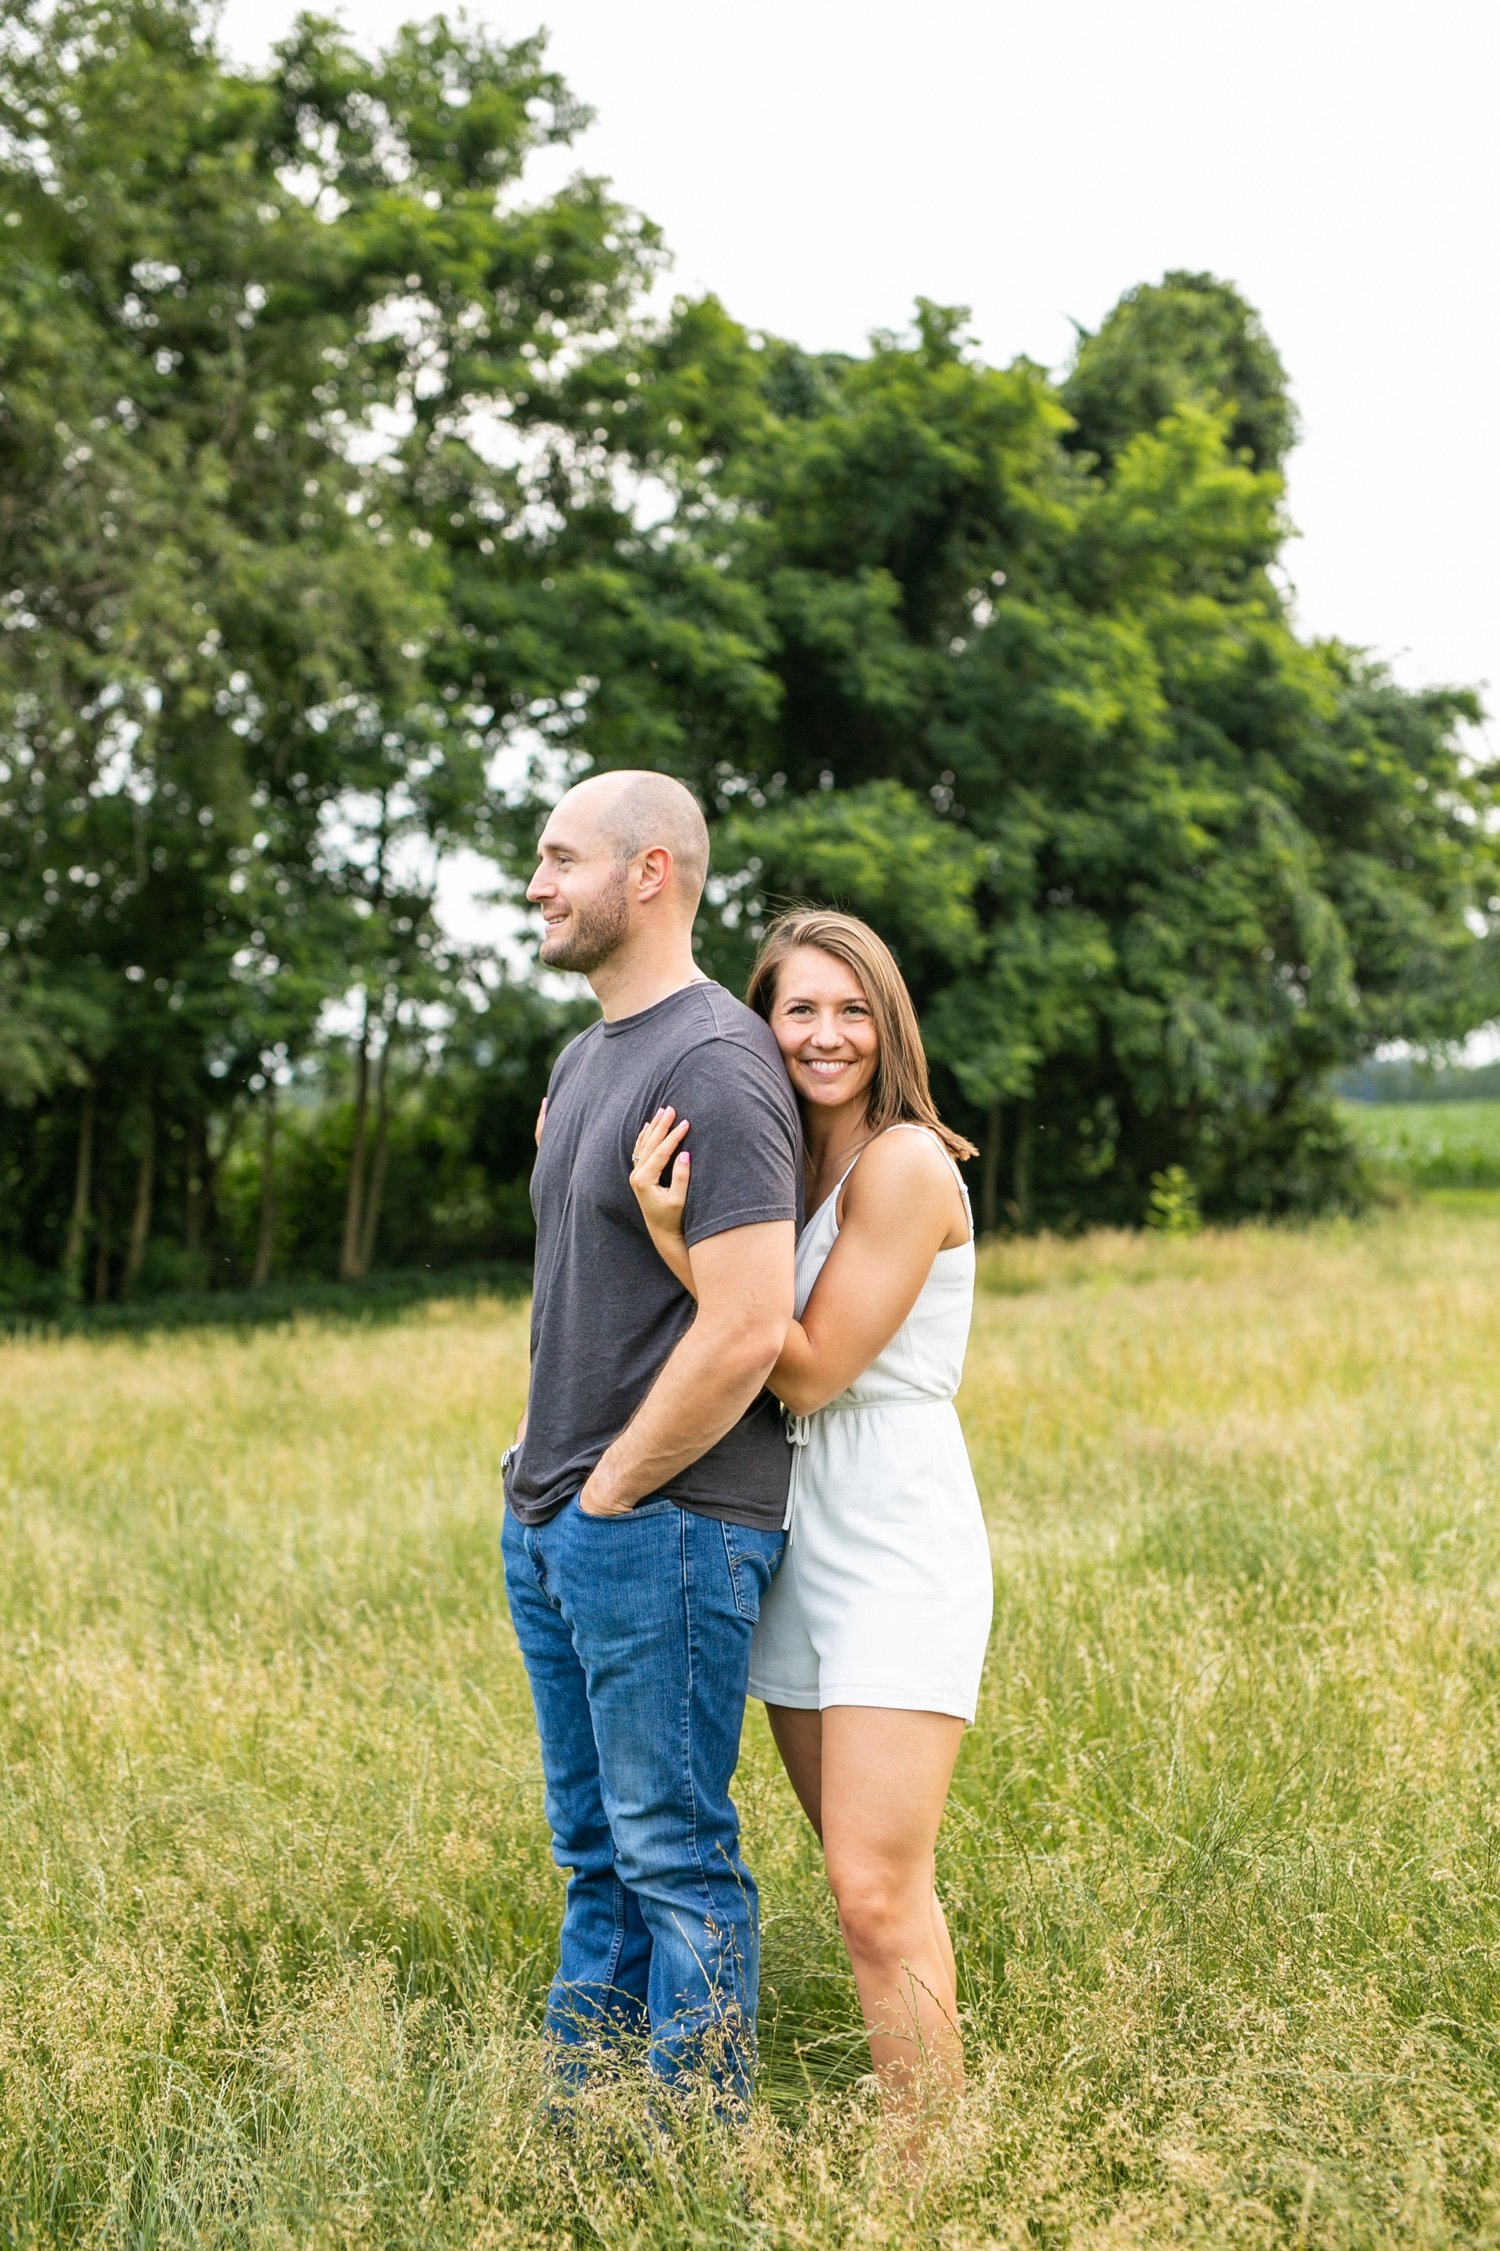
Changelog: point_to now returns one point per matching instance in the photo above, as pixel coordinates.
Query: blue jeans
(636, 1632)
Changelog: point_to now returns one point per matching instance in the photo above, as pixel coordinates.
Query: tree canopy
(341, 484)
(1033, 699)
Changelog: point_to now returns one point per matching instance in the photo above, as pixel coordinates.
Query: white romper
(885, 1592)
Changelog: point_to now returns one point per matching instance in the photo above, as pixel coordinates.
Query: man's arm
(745, 1300)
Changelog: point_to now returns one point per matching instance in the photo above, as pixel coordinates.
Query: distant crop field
(1222, 1863)
(1430, 1144)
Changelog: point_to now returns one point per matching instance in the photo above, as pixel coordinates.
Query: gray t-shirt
(606, 1310)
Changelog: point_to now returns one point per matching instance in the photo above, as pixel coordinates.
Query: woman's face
(825, 1029)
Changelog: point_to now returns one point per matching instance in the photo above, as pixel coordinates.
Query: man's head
(620, 853)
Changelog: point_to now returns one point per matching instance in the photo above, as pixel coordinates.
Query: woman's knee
(879, 1908)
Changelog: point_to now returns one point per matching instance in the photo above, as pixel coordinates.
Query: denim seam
(734, 1561)
(619, 1946)
(687, 1735)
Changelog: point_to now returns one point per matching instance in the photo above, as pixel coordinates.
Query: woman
(871, 1639)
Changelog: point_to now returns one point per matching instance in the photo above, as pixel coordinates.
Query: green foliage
(880, 844)
(1430, 1144)
(1187, 337)
(1195, 863)
(332, 468)
(387, 1295)
(458, 1156)
(1173, 1209)
(273, 604)
(1406, 1079)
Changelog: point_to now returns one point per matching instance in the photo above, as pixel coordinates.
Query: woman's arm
(899, 1211)
(662, 1202)
(873, 1276)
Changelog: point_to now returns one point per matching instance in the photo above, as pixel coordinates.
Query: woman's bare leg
(873, 1783)
(945, 1943)
(798, 1736)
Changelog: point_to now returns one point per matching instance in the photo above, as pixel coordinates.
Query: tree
(331, 472)
(258, 335)
(1187, 339)
(1203, 862)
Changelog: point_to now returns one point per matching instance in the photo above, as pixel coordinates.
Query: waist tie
(856, 1406)
(799, 1430)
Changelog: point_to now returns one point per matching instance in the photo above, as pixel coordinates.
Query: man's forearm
(704, 1387)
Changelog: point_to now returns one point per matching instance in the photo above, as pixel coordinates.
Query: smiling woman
(871, 1638)
(824, 1028)
(817, 966)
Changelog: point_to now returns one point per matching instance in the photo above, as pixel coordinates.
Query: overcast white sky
(820, 164)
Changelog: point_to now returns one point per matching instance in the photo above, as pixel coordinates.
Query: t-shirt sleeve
(744, 1139)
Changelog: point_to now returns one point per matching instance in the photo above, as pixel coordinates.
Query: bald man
(646, 1493)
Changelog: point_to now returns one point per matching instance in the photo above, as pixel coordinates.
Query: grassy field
(1430, 1144)
(276, 1913)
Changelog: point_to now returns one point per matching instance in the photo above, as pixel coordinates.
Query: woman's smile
(825, 1028)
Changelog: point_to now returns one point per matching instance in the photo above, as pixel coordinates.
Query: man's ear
(655, 872)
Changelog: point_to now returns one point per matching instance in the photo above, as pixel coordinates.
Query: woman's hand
(658, 1144)
(541, 1120)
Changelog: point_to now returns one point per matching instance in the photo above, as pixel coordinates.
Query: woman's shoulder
(906, 1161)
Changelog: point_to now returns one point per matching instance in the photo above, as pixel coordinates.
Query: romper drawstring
(798, 1431)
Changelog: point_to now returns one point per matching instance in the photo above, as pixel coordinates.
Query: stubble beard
(597, 931)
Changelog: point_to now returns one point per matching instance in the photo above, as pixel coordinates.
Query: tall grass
(276, 1912)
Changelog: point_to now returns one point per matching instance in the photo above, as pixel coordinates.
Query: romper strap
(907, 1125)
(915, 1125)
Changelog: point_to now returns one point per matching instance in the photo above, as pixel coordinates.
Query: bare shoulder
(908, 1170)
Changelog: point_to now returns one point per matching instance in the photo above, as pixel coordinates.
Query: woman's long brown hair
(899, 1091)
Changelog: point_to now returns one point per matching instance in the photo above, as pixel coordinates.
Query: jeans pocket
(655, 1504)
(752, 1558)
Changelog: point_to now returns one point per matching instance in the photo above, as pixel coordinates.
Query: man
(647, 1489)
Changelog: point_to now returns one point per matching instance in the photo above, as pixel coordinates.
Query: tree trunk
(197, 1184)
(354, 1199)
(1021, 1168)
(376, 1188)
(83, 1185)
(989, 1178)
(213, 1159)
(265, 1230)
(101, 1248)
(140, 1217)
